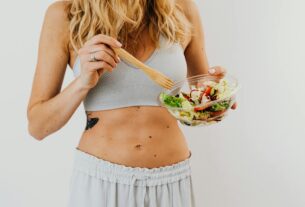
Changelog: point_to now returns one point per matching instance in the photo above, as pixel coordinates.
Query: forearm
(51, 115)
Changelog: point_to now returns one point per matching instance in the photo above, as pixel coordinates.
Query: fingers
(103, 56)
(98, 65)
(102, 53)
(98, 48)
(96, 56)
(217, 71)
(234, 106)
(100, 71)
(104, 39)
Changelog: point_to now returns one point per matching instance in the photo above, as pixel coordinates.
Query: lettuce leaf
(172, 100)
(219, 106)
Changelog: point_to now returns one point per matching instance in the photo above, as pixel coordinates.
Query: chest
(169, 61)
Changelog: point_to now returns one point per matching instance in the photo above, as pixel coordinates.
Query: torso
(138, 136)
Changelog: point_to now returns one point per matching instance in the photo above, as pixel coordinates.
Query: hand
(96, 56)
(220, 72)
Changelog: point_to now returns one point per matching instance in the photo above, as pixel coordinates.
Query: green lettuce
(220, 106)
(172, 100)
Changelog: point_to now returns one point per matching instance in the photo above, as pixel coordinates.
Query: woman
(132, 151)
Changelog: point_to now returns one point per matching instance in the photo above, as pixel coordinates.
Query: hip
(97, 182)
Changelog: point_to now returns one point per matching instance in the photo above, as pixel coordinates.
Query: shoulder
(56, 22)
(189, 8)
(58, 11)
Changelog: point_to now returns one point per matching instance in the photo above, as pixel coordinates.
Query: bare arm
(196, 58)
(195, 54)
(48, 108)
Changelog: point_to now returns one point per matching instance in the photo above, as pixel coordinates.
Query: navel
(138, 147)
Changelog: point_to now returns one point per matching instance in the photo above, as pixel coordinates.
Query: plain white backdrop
(254, 158)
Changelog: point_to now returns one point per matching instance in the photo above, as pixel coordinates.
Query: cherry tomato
(207, 90)
(199, 108)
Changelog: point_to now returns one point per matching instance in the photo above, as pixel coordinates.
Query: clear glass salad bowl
(200, 100)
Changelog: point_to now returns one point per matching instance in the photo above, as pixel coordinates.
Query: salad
(205, 101)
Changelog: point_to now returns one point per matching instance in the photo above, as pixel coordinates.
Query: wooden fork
(155, 75)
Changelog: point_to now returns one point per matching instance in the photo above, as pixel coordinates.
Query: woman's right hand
(99, 47)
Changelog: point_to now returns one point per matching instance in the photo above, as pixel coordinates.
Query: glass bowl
(206, 109)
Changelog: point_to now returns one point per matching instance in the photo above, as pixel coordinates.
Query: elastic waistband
(139, 176)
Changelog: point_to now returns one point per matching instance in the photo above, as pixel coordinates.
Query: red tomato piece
(208, 90)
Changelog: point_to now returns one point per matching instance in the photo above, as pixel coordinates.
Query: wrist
(80, 86)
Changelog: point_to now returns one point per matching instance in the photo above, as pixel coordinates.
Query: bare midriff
(136, 136)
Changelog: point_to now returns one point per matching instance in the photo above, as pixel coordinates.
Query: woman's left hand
(220, 72)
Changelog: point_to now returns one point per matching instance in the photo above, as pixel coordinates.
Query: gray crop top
(127, 85)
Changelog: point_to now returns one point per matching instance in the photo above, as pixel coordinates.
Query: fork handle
(130, 58)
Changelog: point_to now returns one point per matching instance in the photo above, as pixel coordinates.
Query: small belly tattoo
(91, 122)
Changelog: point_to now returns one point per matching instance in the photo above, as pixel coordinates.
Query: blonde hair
(126, 19)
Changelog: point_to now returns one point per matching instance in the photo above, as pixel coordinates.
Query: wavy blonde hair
(126, 19)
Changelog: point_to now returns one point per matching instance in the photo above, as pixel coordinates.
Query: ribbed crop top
(127, 85)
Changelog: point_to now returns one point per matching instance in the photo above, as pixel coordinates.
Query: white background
(254, 158)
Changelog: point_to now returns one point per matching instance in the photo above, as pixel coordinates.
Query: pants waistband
(139, 176)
